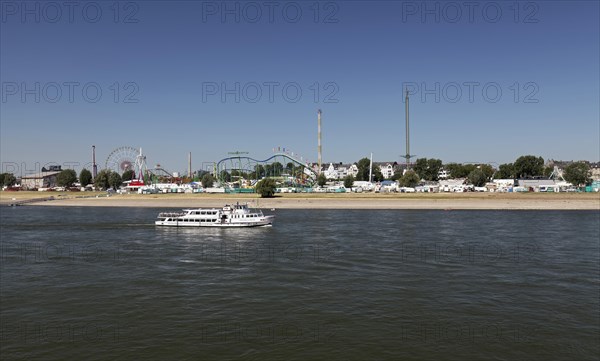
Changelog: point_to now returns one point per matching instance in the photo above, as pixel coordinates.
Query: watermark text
(70, 12)
(270, 12)
(269, 91)
(69, 92)
(470, 12)
(473, 91)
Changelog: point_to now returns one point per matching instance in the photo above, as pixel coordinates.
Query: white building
(339, 171)
(451, 185)
(352, 170)
(342, 172)
(500, 185)
(331, 172)
(387, 171)
(443, 174)
(40, 180)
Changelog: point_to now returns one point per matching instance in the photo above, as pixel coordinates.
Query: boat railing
(170, 214)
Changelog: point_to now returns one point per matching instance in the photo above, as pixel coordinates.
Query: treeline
(424, 169)
(7, 179)
(526, 166)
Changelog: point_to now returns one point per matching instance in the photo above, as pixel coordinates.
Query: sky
(488, 81)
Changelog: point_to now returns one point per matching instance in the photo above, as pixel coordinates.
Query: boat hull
(266, 221)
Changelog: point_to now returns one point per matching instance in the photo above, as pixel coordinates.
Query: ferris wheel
(125, 158)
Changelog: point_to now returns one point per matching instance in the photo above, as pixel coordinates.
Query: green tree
(505, 171)
(363, 169)
(225, 176)
(85, 177)
(477, 177)
(364, 166)
(348, 181)
(101, 180)
(451, 169)
(577, 173)
(529, 166)
(66, 178)
(433, 169)
(128, 175)
(458, 170)
(427, 169)
(266, 187)
(114, 180)
(277, 169)
(487, 169)
(420, 167)
(259, 171)
(321, 180)
(200, 174)
(207, 180)
(7, 179)
(397, 175)
(467, 169)
(409, 179)
(377, 175)
(268, 170)
(289, 167)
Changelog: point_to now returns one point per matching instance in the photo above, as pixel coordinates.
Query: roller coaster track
(247, 165)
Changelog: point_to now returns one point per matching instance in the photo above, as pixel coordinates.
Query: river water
(105, 283)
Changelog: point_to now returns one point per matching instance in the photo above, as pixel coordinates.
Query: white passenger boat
(238, 215)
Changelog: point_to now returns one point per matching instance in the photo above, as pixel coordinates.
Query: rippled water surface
(105, 283)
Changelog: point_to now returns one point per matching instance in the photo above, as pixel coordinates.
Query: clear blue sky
(176, 57)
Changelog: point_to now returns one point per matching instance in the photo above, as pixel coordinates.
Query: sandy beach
(507, 201)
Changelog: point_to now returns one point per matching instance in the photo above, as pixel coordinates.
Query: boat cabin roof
(227, 207)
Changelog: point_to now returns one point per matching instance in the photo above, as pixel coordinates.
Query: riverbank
(508, 201)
